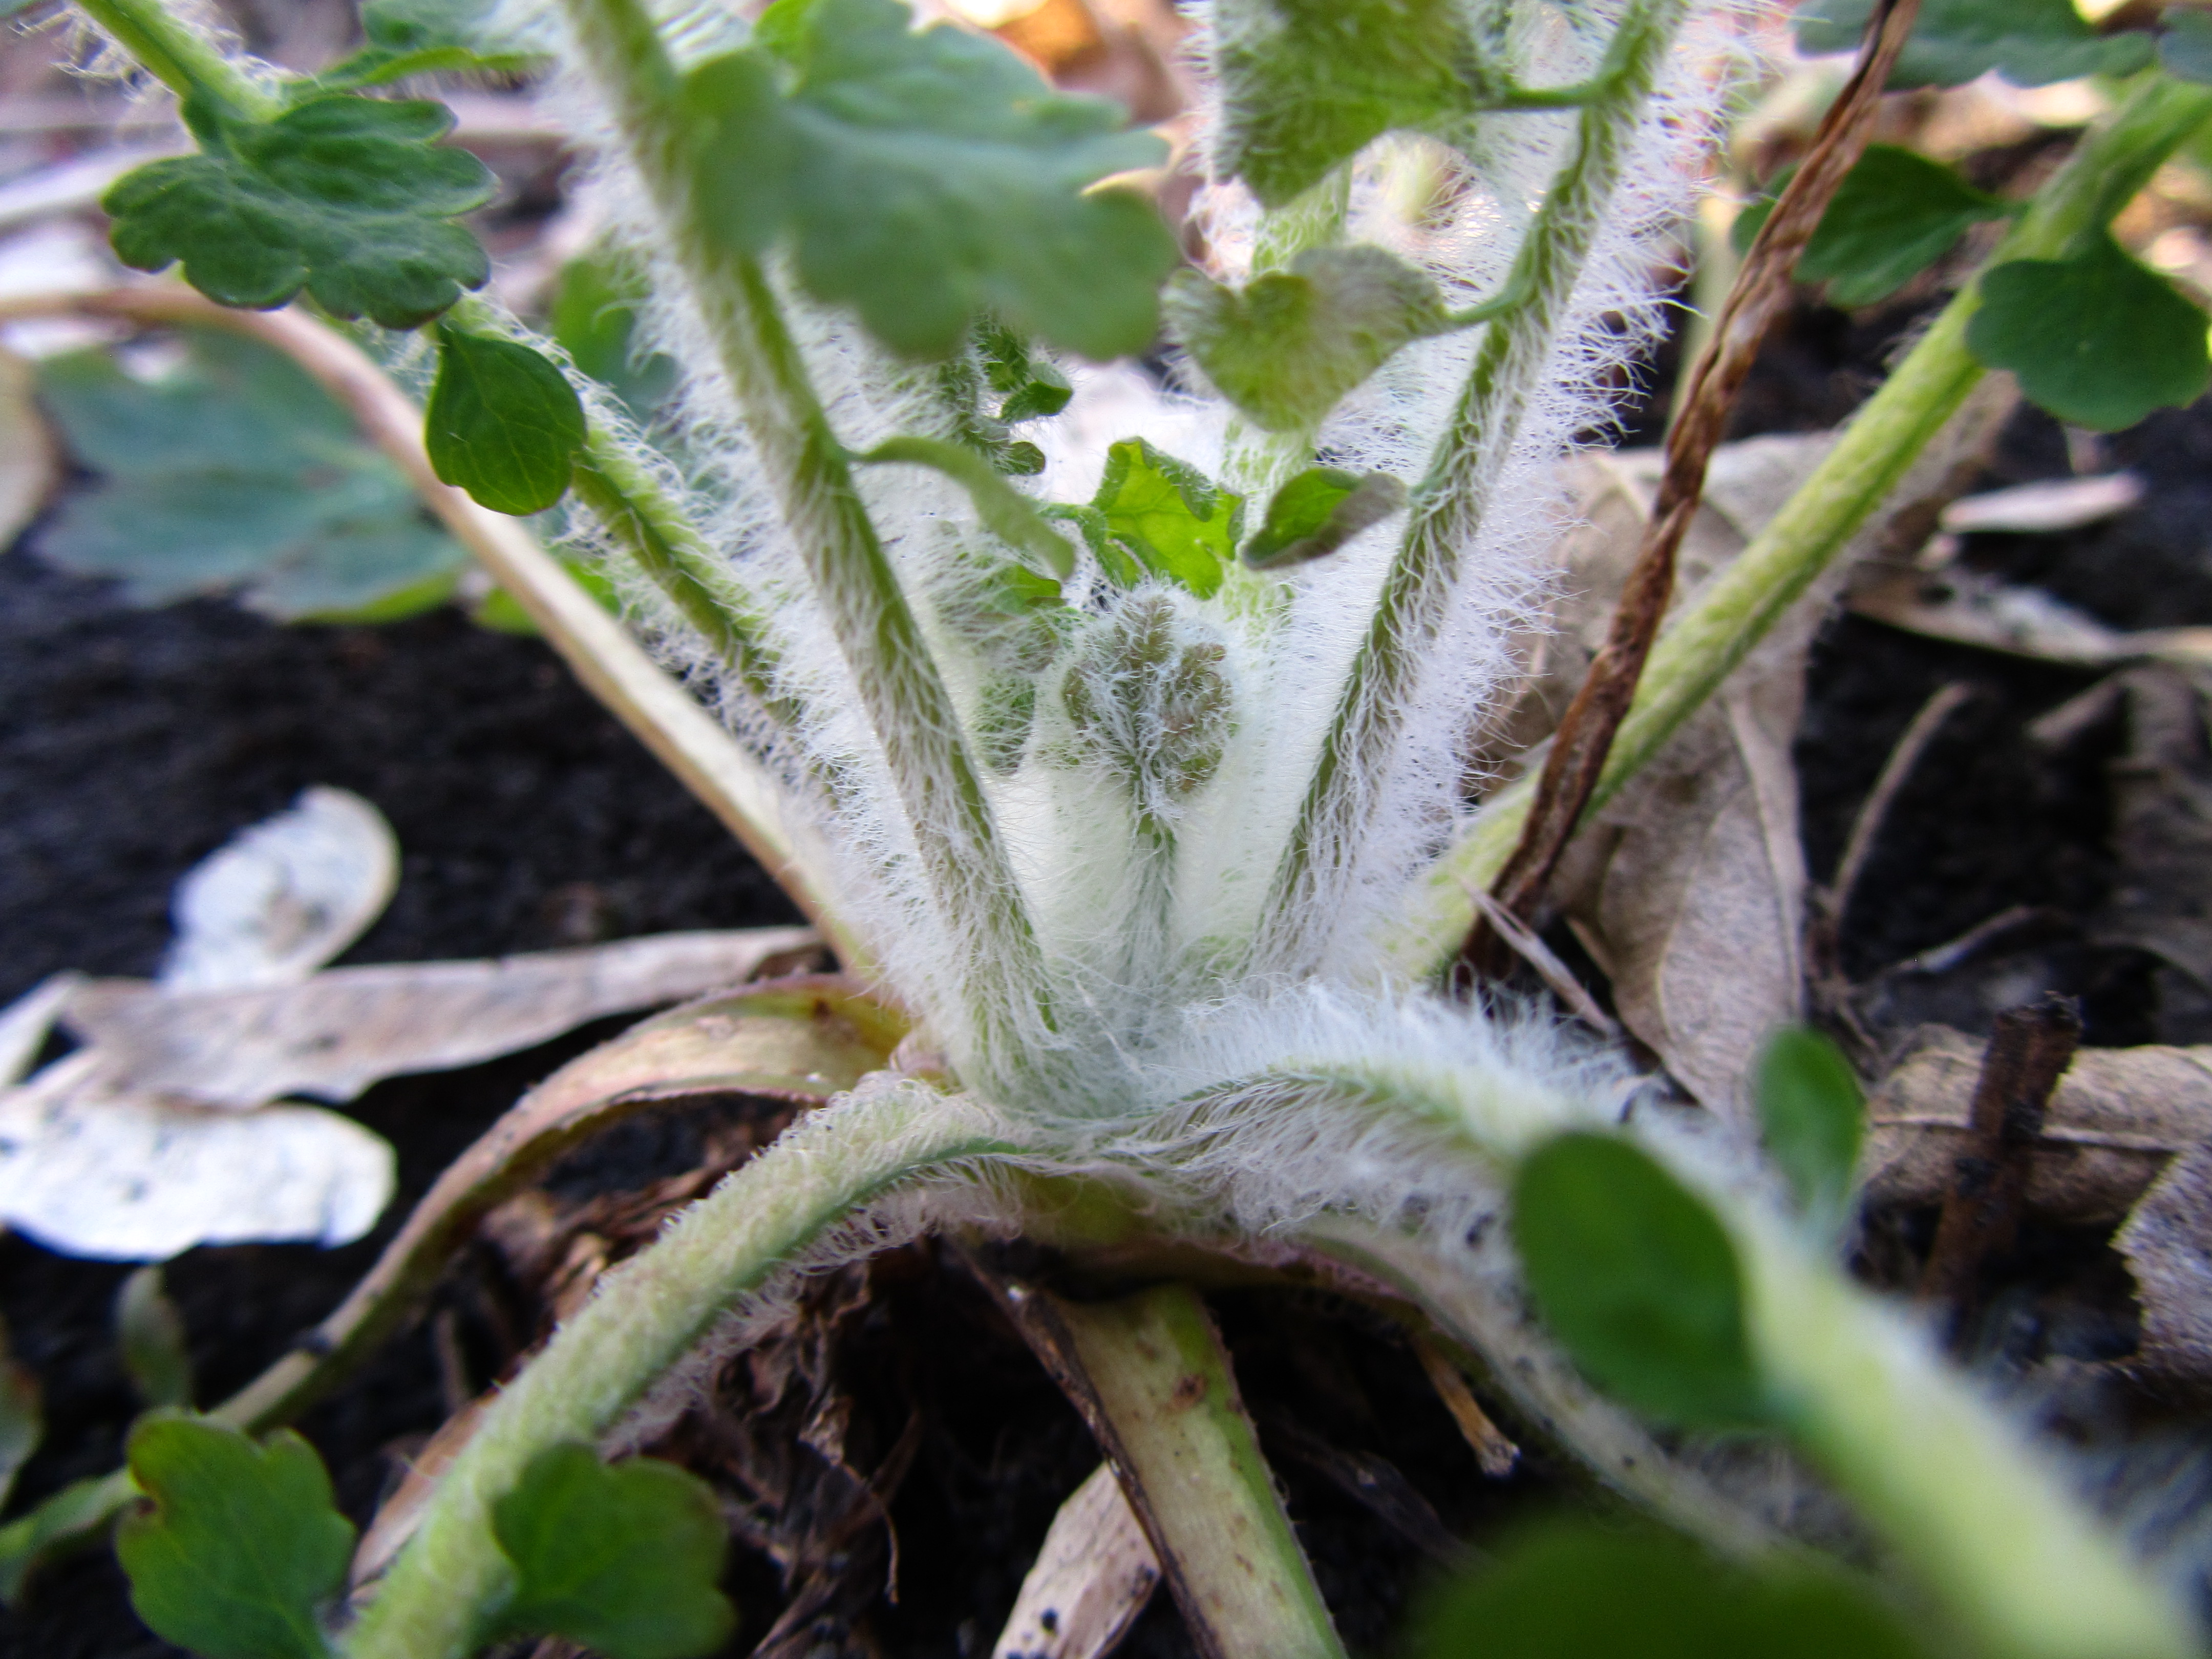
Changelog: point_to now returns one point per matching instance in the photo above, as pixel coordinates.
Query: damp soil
(132, 743)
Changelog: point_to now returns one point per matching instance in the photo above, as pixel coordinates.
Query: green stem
(180, 56)
(1450, 502)
(1704, 644)
(1255, 462)
(647, 1314)
(907, 703)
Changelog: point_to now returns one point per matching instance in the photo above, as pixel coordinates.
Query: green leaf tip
(2031, 43)
(623, 1560)
(1570, 1590)
(1319, 511)
(241, 1547)
(1813, 1117)
(1638, 1281)
(503, 423)
(150, 1331)
(2096, 339)
(1163, 515)
(351, 198)
(1306, 84)
(1289, 345)
(926, 176)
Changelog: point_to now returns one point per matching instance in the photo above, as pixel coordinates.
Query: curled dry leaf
(277, 900)
(339, 1032)
(1088, 1582)
(91, 1171)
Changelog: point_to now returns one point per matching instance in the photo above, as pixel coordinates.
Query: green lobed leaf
(151, 1334)
(2031, 43)
(352, 198)
(1637, 1280)
(1168, 516)
(1288, 346)
(928, 175)
(234, 471)
(1895, 213)
(1031, 388)
(243, 1545)
(1317, 512)
(1005, 512)
(2096, 339)
(1569, 1591)
(422, 37)
(593, 318)
(503, 423)
(623, 1559)
(1813, 1117)
(2186, 48)
(1306, 84)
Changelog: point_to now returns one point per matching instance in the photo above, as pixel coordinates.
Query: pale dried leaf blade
(343, 1030)
(2116, 1121)
(1091, 1579)
(30, 461)
(2167, 1245)
(89, 1172)
(25, 1023)
(277, 900)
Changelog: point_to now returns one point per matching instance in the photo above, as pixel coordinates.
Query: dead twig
(1555, 973)
(1759, 297)
(1494, 1453)
(2029, 1051)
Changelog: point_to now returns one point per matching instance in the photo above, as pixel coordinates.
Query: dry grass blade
(1091, 1579)
(1759, 297)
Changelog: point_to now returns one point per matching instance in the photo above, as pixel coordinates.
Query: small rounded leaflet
(503, 423)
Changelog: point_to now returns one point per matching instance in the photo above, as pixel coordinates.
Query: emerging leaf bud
(1150, 706)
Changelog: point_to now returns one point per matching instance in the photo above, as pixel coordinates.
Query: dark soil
(133, 743)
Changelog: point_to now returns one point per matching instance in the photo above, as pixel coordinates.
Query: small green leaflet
(623, 1561)
(1031, 388)
(503, 423)
(1576, 1591)
(1005, 512)
(2096, 339)
(2031, 43)
(1814, 1116)
(928, 175)
(1318, 511)
(593, 318)
(1169, 516)
(1895, 213)
(422, 37)
(1637, 1280)
(1148, 708)
(242, 1546)
(2186, 48)
(1291, 344)
(352, 198)
(151, 1334)
(235, 472)
(1307, 84)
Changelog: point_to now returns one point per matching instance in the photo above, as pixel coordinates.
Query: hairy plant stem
(910, 706)
(647, 1314)
(1450, 502)
(180, 56)
(1704, 644)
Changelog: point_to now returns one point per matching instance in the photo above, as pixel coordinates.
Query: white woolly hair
(1131, 926)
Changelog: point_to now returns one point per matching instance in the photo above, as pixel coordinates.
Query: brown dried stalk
(1754, 304)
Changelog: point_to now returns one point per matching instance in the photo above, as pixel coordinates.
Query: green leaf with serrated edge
(234, 471)
(1637, 1280)
(2031, 43)
(1814, 1118)
(1031, 388)
(593, 318)
(1579, 1590)
(622, 1559)
(1306, 84)
(352, 198)
(2096, 339)
(2186, 48)
(1005, 512)
(1287, 347)
(151, 1334)
(1170, 517)
(242, 1546)
(1895, 213)
(928, 175)
(503, 423)
(1090, 523)
(1319, 511)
